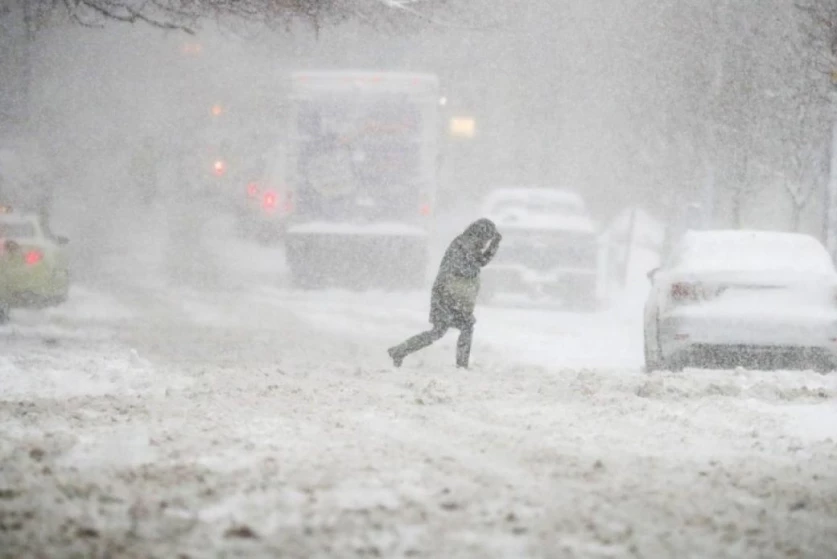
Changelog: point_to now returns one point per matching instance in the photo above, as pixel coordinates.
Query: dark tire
(652, 362)
(824, 367)
(4, 314)
(674, 365)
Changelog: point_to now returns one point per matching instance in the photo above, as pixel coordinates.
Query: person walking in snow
(455, 291)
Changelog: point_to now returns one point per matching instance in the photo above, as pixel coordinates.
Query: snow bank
(46, 374)
(294, 435)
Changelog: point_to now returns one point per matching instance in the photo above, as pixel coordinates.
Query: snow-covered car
(753, 298)
(550, 246)
(34, 269)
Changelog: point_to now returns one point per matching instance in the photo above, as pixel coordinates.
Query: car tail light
(219, 167)
(425, 209)
(252, 190)
(682, 292)
(269, 201)
(33, 257)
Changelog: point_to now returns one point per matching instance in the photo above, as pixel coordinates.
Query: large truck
(361, 178)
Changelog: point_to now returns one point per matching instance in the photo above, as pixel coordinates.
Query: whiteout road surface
(266, 423)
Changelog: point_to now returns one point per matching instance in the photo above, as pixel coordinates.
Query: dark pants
(421, 341)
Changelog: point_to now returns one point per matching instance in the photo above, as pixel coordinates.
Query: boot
(397, 357)
(417, 342)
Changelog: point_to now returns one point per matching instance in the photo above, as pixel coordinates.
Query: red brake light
(269, 200)
(219, 168)
(683, 291)
(33, 257)
(252, 190)
(425, 209)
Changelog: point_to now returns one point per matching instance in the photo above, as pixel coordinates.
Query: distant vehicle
(361, 178)
(754, 298)
(34, 270)
(550, 246)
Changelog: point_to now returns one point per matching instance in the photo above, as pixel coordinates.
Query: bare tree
(805, 162)
(801, 129)
(820, 26)
(187, 15)
(22, 20)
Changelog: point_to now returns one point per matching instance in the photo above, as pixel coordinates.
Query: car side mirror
(62, 240)
(652, 274)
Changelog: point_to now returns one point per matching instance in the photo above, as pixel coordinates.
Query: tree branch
(111, 9)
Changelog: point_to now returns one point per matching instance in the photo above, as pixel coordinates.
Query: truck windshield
(368, 146)
(539, 206)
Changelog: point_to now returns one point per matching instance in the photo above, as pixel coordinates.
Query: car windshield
(16, 230)
(788, 253)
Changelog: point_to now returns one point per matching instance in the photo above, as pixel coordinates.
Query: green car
(34, 271)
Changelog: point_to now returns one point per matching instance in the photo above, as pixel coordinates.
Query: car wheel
(4, 314)
(652, 361)
(824, 366)
(674, 365)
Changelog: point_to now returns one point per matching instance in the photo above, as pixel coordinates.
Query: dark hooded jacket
(457, 283)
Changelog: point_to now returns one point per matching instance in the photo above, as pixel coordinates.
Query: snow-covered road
(261, 422)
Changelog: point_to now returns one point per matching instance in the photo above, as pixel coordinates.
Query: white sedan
(743, 298)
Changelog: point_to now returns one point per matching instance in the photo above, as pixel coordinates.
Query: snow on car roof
(538, 208)
(741, 250)
(524, 193)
